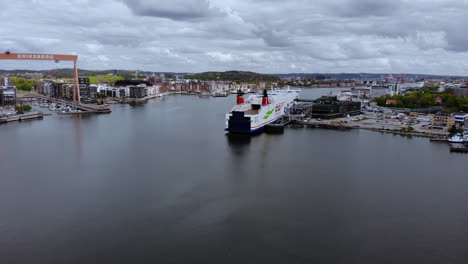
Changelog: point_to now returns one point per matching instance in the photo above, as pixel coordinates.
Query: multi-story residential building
(152, 90)
(66, 90)
(137, 91)
(87, 92)
(5, 81)
(461, 120)
(105, 90)
(7, 95)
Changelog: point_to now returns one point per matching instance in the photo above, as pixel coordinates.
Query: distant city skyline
(267, 36)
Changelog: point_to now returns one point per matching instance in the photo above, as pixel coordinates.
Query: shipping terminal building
(328, 107)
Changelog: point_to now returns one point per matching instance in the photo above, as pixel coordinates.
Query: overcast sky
(267, 36)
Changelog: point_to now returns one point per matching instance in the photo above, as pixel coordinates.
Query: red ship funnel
(265, 99)
(240, 97)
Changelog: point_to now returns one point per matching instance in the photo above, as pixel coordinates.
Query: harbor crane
(7, 55)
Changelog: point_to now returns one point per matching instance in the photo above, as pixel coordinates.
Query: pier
(21, 117)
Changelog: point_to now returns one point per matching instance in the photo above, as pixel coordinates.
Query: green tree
(24, 84)
(452, 101)
(453, 130)
(111, 79)
(22, 108)
(127, 76)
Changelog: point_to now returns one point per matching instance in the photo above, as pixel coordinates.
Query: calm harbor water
(161, 182)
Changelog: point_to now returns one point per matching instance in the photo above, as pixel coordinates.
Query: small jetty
(21, 117)
(439, 139)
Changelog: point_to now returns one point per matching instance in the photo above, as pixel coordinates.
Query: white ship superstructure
(252, 114)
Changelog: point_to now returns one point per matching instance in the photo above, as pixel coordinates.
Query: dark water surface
(162, 183)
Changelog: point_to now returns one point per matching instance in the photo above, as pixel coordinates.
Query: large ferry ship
(252, 114)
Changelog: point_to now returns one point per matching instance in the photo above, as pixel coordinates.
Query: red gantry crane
(51, 57)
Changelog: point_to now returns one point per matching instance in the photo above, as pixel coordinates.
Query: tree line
(425, 98)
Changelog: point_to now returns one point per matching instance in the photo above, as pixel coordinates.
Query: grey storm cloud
(274, 38)
(172, 9)
(365, 8)
(270, 36)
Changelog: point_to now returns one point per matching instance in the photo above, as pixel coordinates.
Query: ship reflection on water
(238, 142)
(241, 147)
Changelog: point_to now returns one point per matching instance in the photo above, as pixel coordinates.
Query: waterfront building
(152, 90)
(329, 107)
(138, 92)
(7, 95)
(45, 87)
(118, 92)
(462, 120)
(443, 120)
(87, 92)
(64, 90)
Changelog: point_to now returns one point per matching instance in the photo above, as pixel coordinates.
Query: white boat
(252, 114)
(220, 94)
(458, 138)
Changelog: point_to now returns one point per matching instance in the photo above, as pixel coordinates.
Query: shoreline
(389, 131)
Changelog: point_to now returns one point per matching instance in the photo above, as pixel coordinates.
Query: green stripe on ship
(269, 113)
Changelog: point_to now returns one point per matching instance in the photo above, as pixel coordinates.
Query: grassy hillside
(234, 76)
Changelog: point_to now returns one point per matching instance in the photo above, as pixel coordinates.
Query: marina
(47, 102)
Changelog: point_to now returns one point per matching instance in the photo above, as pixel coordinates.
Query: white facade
(5, 81)
(48, 88)
(152, 90)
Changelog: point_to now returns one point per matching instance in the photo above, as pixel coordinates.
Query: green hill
(234, 76)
